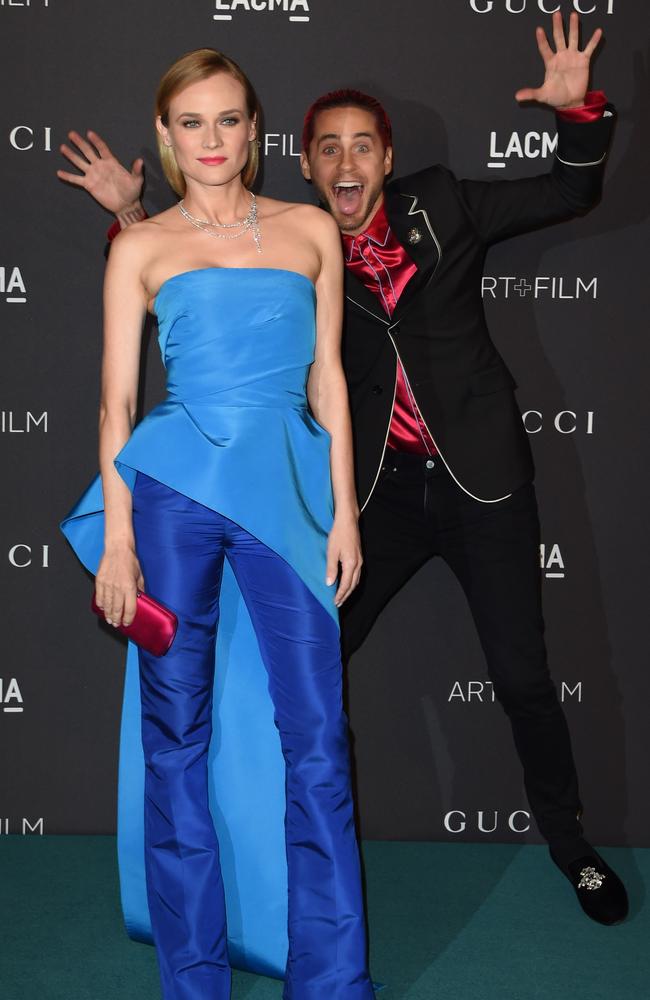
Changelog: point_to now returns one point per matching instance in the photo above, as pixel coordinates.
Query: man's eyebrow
(335, 135)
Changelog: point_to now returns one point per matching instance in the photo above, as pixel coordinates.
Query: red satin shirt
(379, 260)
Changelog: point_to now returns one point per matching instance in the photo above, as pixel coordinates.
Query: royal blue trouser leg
(181, 546)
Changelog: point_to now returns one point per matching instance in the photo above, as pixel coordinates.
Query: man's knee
(524, 692)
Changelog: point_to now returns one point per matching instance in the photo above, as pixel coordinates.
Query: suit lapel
(358, 295)
(413, 229)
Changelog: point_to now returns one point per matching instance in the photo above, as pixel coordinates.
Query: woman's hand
(344, 551)
(118, 580)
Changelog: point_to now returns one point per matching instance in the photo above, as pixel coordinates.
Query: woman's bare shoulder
(142, 240)
(295, 213)
(271, 207)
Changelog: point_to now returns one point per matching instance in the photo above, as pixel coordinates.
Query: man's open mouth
(348, 196)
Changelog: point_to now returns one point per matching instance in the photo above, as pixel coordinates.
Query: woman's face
(209, 130)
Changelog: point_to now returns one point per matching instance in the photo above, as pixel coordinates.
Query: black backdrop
(568, 308)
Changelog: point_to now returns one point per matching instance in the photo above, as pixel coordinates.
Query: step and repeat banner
(568, 308)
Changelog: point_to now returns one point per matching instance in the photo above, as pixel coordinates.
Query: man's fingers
(89, 151)
(558, 33)
(100, 145)
(545, 50)
(77, 179)
(574, 31)
(527, 94)
(74, 157)
(593, 42)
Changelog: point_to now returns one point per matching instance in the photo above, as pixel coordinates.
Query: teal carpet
(448, 922)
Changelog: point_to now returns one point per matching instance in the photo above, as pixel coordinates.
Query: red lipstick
(212, 161)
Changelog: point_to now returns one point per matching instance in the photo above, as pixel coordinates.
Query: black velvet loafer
(600, 892)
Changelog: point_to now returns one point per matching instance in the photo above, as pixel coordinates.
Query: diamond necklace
(250, 222)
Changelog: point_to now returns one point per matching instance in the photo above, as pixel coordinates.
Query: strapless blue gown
(234, 434)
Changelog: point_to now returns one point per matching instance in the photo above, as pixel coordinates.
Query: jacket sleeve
(500, 209)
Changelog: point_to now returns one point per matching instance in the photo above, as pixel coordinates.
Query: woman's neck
(224, 203)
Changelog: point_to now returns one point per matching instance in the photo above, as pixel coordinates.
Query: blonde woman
(236, 492)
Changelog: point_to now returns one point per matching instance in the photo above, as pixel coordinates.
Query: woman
(232, 465)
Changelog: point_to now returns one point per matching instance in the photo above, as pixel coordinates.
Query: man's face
(347, 164)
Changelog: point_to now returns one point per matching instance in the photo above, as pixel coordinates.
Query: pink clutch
(153, 627)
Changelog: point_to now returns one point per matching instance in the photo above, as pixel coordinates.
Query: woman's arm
(328, 398)
(119, 576)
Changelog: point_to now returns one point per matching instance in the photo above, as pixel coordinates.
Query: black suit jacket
(462, 386)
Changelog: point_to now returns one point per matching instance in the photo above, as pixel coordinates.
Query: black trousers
(416, 512)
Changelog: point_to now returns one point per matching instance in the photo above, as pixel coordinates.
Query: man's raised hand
(567, 69)
(102, 175)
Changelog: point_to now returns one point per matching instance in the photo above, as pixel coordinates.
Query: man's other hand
(567, 69)
(103, 176)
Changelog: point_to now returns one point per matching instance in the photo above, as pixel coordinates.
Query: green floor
(468, 922)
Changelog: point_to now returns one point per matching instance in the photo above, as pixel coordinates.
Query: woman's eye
(190, 122)
(230, 121)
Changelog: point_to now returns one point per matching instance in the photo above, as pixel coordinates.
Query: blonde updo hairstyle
(200, 64)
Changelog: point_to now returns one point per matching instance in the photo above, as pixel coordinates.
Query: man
(443, 462)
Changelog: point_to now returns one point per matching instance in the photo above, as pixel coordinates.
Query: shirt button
(430, 463)
(377, 390)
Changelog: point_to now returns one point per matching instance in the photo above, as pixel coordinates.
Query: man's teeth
(348, 184)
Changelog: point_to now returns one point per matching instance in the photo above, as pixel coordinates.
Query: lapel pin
(414, 236)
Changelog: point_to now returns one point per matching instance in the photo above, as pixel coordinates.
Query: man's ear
(163, 131)
(388, 161)
(304, 166)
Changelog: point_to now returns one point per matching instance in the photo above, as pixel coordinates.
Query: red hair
(347, 98)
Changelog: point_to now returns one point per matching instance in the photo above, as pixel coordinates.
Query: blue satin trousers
(181, 546)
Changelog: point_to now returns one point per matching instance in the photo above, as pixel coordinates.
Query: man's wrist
(130, 214)
(591, 109)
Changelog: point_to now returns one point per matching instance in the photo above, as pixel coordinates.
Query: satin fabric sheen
(182, 547)
(153, 627)
(235, 435)
(378, 259)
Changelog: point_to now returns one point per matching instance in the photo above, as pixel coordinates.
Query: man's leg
(493, 549)
(395, 542)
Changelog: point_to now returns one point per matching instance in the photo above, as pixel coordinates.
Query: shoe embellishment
(590, 879)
